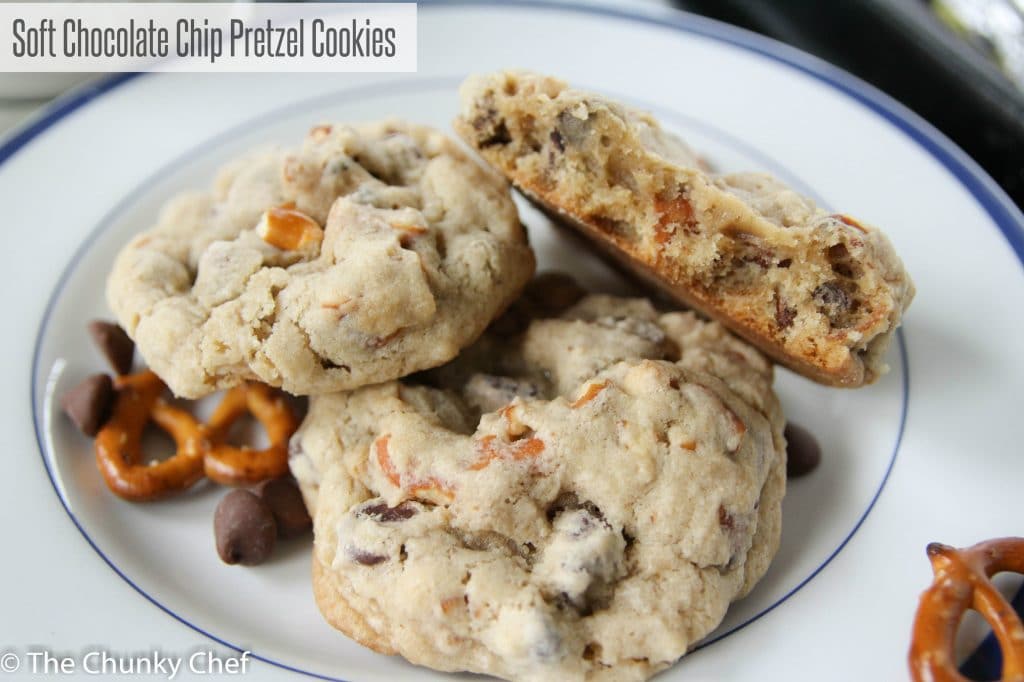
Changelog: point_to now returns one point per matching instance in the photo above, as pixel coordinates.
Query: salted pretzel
(230, 465)
(962, 581)
(119, 442)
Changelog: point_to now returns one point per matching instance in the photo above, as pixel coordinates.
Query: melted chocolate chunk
(803, 454)
(485, 119)
(833, 301)
(499, 136)
(751, 249)
(784, 315)
(568, 501)
(760, 259)
(558, 140)
(842, 264)
(385, 514)
(838, 252)
(365, 558)
(610, 225)
(843, 269)
(725, 519)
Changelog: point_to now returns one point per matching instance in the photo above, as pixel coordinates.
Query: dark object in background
(902, 48)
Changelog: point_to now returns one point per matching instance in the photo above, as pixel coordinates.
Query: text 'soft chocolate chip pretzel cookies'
(818, 292)
(579, 501)
(371, 252)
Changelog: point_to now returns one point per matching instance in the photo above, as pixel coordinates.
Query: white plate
(929, 453)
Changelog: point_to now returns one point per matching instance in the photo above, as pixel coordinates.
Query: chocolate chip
(365, 558)
(610, 225)
(553, 292)
(784, 315)
(759, 258)
(513, 321)
(547, 295)
(385, 514)
(89, 403)
(843, 269)
(750, 248)
(725, 519)
(114, 343)
(833, 301)
(569, 501)
(785, 262)
(802, 451)
(485, 119)
(838, 252)
(244, 529)
(286, 504)
(558, 140)
(499, 136)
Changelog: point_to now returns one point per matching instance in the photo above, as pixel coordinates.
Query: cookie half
(820, 293)
(580, 501)
(370, 252)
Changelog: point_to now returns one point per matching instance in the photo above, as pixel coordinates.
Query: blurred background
(957, 63)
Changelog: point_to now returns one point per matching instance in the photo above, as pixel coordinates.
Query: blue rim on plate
(992, 199)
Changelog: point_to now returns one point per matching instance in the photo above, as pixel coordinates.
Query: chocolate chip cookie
(821, 293)
(370, 252)
(579, 500)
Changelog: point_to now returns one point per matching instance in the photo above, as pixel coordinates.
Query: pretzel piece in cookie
(119, 443)
(231, 465)
(962, 582)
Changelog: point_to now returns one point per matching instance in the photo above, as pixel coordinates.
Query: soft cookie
(581, 500)
(819, 292)
(371, 252)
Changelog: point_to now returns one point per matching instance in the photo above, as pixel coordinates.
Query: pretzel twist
(119, 442)
(202, 449)
(962, 581)
(230, 465)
